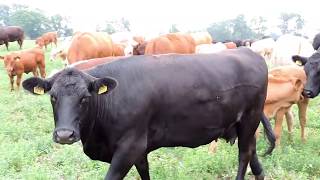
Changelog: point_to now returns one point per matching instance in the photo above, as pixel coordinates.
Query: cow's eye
(53, 99)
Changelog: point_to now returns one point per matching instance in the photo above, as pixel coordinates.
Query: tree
(34, 23)
(287, 19)
(258, 26)
(60, 24)
(221, 31)
(4, 15)
(241, 30)
(232, 29)
(126, 24)
(173, 28)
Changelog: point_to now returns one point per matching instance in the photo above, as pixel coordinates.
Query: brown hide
(24, 61)
(171, 43)
(89, 45)
(47, 38)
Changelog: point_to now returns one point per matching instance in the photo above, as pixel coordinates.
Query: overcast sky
(154, 16)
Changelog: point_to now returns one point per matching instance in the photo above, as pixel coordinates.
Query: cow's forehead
(315, 57)
(70, 83)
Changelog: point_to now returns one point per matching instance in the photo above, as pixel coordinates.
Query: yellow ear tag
(38, 90)
(298, 62)
(103, 89)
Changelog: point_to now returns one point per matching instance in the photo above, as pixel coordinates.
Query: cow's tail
(269, 134)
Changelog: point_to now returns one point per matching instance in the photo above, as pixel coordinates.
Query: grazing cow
(125, 109)
(140, 48)
(316, 42)
(210, 48)
(285, 86)
(264, 47)
(11, 34)
(312, 68)
(88, 46)
(171, 43)
(287, 46)
(25, 61)
(230, 45)
(201, 38)
(47, 38)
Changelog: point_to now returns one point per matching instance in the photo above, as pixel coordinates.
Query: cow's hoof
(260, 177)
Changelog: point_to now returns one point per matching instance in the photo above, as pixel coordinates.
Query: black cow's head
(312, 69)
(71, 92)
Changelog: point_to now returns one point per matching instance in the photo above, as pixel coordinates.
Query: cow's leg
(7, 45)
(302, 105)
(278, 125)
(246, 145)
(11, 82)
(289, 119)
(126, 155)
(18, 81)
(42, 70)
(35, 72)
(143, 167)
(255, 165)
(20, 43)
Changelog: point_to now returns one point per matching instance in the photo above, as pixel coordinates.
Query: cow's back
(89, 45)
(171, 43)
(14, 33)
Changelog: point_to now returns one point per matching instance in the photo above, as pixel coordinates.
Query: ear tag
(103, 89)
(298, 62)
(38, 90)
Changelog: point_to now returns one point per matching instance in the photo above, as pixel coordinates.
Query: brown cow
(25, 61)
(47, 38)
(230, 45)
(88, 45)
(285, 86)
(202, 38)
(171, 43)
(11, 34)
(140, 48)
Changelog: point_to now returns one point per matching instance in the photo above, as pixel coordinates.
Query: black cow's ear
(299, 60)
(36, 85)
(103, 85)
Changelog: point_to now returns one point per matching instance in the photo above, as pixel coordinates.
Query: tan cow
(88, 45)
(285, 86)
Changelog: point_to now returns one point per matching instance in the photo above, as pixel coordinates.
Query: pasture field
(28, 152)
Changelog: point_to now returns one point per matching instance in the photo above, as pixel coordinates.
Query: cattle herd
(124, 96)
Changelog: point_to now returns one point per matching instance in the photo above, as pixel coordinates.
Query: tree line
(35, 23)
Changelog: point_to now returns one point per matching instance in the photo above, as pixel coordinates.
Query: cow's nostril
(65, 134)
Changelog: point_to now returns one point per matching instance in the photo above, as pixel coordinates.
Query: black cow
(123, 110)
(11, 34)
(312, 69)
(316, 42)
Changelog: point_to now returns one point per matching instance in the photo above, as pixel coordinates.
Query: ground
(28, 152)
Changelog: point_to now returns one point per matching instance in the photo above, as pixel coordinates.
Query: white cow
(288, 45)
(210, 48)
(264, 47)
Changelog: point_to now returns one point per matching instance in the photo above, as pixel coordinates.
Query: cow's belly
(196, 122)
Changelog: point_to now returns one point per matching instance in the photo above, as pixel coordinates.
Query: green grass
(28, 152)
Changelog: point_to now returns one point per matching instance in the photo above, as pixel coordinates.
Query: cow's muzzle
(308, 93)
(65, 136)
